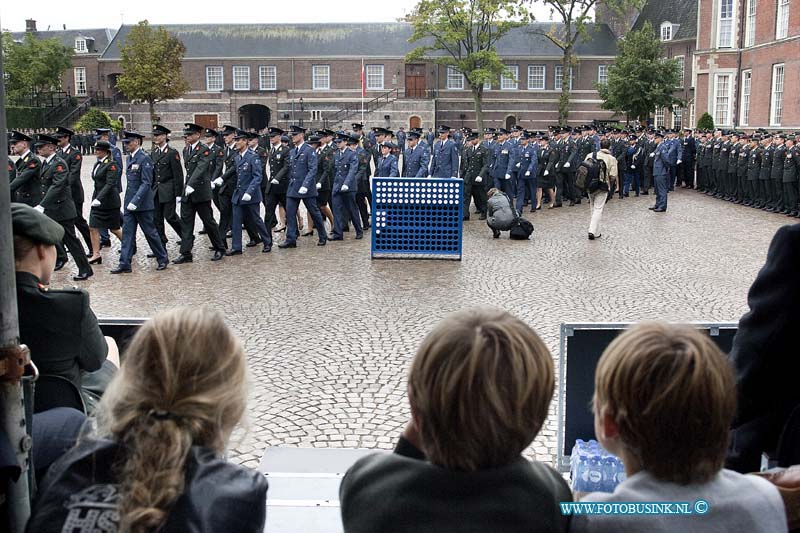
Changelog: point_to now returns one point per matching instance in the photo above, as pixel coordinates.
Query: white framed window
(722, 99)
(692, 122)
(214, 78)
(487, 86)
(241, 78)
(677, 117)
(602, 74)
(267, 78)
(510, 83)
(666, 31)
(725, 24)
(782, 20)
(316, 115)
(80, 81)
(455, 80)
(374, 77)
(658, 118)
(750, 24)
(747, 80)
(560, 74)
(536, 77)
(80, 46)
(776, 100)
(682, 68)
(321, 77)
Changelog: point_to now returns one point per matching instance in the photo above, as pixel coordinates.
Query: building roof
(681, 13)
(100, 36)
(347, 40)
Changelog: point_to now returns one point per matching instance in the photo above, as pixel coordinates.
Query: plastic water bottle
(595, 474)
(609, 474)
(580, 474)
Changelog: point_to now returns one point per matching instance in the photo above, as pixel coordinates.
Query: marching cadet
(26, 187)
(546, 173)
(753, 169)
(71, 153)
(216, 161)
(415, 162)
(475, 173)
(504, 163)
(57, 204)
(766, 170)
(278, 178)
(703, 147)
(168, 181)
(686, 168)
(324, 182)
(302, 186)
(225, 183)
(196, 197)
(426, 148)
(247, 194)
(790, 177)
(104, 214)
(732, 165)
(445, 156)
(362, 182)
(741, 170)
(344, 187)
(387, 162)
(139, 205)
(105, 134)
(776, 174)
(527, 170)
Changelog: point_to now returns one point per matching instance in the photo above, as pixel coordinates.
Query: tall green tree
(641, 78)
(463, 34)
(34, 65)
(151, 65)
(572, 24)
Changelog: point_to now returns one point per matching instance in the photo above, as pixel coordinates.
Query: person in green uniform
(58, 326)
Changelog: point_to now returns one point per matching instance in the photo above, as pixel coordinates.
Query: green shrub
(94, 118)
(19, 118)
(705, 122)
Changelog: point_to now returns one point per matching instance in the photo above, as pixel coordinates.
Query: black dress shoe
(98, 261)
(202, 232)
(219, 254)
(321, 243)
(90, 254)
(571, 203)
(120, 270)
(266, 249)
(645, 193)
(483, 215)
(495, 234)
(659, 210)
(359, 236)
(558, 205)
(162, 266)
(60, 264)
(233, 252)
(253, 243)
(278, 230)
(335, 238)
(465, 218)
(367, 227)
(307, 233)
(183, 258)
(652, 208)
(287, 245)
(83, 276)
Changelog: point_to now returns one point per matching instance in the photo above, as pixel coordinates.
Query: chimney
(619, 23)
(30, 26)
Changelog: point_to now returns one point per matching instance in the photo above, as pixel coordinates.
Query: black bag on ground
(521, 230)
(592, 175)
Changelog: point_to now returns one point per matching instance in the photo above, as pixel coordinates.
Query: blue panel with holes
(418, 218)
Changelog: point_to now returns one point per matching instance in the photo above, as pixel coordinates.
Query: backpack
(521, 229)
(592, 175)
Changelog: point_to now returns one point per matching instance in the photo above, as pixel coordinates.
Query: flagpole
(363, 85)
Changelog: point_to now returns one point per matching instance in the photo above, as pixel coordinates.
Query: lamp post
(301, 112)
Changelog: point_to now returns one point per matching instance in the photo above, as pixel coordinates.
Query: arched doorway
(414, 122)
(511, 121)
(255, 116)
(121, 121)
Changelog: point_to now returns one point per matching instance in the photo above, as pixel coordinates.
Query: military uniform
(71, 153)
(362, 179)
(741, 174)
(444, 163)
(346, 165)
(12, 173)
(278, 178)
(527, 169)
(26, 187)
(474, 167)
(764, 177)
(791, 169)
(753, 170)
(105, 175)
(777, 178)
(247, 198)
(168, 182)
(415, 161)
(732, 166)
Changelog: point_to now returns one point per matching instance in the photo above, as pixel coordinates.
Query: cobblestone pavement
(329, 333)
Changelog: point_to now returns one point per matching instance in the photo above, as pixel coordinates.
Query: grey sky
(110, 14)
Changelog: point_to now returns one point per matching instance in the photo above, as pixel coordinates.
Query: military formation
(329, 172)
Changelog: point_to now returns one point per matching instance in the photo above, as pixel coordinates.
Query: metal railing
(353, 109)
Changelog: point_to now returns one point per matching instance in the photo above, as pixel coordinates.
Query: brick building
(258, 74)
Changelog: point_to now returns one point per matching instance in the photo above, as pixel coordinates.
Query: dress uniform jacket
(27, 185)
(529, 161)
(754, 163)
(387, 167)
(198, 167)
(325, 168)
(106, 176)
(777, 162)
(139, 190)
(216, 161)
(60, 329)
(791, 166)
(56, 193)
(474, 163)
(72, 156)
(168, 174)
(229, 174)
(766, 162)
(345, 167)
(662, 162)
(248, 178)
(445, 159)
(303, 172)
(504, 161)
(279, 167)
(415, 162)
(12, 173)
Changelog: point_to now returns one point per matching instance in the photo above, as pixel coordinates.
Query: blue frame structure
(417, 218)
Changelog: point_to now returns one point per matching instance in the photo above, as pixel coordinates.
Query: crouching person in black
(155, 462)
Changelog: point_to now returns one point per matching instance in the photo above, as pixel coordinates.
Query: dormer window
(666, 31)
(80, 46)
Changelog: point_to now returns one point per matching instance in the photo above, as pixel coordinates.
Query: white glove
(345, 188)
(275, 182)
(517, 165)
(246, 197)
(319, 186)
(527, 172)
(39, 208)
(178, 199)
(633, 166)
(95, 203)
(213, 185)
(189, 190)
(430, 176)
(478, 179)
(546, 172)
(652, 154)
(679, 161)
(508, 176)
(131, 206)
(566, 165)
(218, 181)
(302, 190)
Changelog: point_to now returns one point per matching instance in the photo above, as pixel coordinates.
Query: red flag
(363, 80)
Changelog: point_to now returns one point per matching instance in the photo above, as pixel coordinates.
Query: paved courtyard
(329, 333)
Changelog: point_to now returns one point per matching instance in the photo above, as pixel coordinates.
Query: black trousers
(474, 191)
(560, 178)
(82, 226)
(167, 211)
(191, 209)
(790, 196)
(73, 245)
(777, 193)
(363, 200)
(271, 202)
(647, 179)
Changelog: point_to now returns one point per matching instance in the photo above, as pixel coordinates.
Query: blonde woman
(155, 462)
